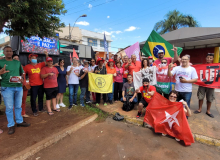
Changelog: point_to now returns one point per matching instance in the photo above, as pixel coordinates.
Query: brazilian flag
(155, 43)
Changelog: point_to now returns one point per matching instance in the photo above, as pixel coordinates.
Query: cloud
(108, 16)
(106, 33)
(84, 23)
(90, 6)
(111, 32)
(113, 36)
(131, 28)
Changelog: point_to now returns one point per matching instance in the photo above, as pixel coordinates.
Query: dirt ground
(112, 140)
(41, 127)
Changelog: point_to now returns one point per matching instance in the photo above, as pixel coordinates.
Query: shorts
(143, 102)
(51, 93)
(209, 92)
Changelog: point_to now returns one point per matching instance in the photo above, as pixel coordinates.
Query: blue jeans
(110, 95)
(134, 100)
(13, 99)
(84, 91)
(186, 96)
(73, 89)
(125, 80)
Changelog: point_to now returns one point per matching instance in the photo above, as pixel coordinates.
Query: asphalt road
(113, 140)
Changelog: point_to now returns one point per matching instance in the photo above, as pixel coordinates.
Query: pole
(69, 33)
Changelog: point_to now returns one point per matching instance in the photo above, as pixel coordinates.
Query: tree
(175, 20)
(31, 17)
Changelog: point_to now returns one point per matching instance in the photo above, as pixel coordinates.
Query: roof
(194, 37)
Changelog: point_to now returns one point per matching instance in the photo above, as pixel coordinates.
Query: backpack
(128, 106)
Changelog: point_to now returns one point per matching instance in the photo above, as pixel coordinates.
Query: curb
(197, 137)
(30, 151)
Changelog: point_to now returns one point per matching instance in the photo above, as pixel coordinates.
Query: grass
(87, 110)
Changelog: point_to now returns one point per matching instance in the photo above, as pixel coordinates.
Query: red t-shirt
(125, 73)
(169, 60)
(143, 91)
(136, 67)
(34, 73)
(50, 81)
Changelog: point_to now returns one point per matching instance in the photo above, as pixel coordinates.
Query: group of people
(53, 79)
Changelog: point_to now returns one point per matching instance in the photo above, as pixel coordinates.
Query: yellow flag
(100, 83)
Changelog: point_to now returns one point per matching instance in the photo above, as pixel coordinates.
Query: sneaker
(74, 104)
(23, 124)
(25, 116)
(164, 134)
(70, 107)
(11, 130)
(82, 105)
(57, 106)
(97, 104)
(62, 105)
(177, 139)
(43, 110)
(110, 101)
(105, 104)
(139, 114)
(88, 102)
(35, 114)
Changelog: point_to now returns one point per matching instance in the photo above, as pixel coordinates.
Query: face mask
(145, 85)
(150, 61)
(34, 60)
(163, 65)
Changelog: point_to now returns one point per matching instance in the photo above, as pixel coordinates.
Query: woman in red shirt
(118, 82)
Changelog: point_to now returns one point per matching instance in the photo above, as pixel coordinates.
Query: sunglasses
(62, 62)
(173, 96)
(92, 61)
(163, 62)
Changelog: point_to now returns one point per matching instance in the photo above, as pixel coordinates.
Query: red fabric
(168, 118)
(50, 81)
(208, 75)
(75, 54)
(144, 93)
(125, 73)
(94, 96)
(23, 106)
(136, 67)
(34, 73)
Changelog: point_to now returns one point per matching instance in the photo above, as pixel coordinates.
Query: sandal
(50, 113)
(210, 115)
(196, 112)
(57, 110)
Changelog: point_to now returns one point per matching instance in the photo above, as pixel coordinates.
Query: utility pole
(69, 33)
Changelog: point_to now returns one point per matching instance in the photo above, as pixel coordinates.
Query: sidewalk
(204, 128)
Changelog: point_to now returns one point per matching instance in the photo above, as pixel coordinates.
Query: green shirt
(15, 69)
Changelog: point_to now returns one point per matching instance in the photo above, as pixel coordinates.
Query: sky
(131, 21)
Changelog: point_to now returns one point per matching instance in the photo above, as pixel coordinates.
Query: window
(102, 43)
(92, 42)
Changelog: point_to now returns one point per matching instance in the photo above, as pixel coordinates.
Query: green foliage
(175, 20)
(31, 17)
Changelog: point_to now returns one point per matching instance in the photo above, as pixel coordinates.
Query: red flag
(75, 54)
(169, 118)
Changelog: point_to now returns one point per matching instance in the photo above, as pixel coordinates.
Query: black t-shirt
(83, 82)
(101, 70)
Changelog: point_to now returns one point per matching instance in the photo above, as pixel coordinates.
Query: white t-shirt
(93, 67)
(187, 73)
(73, 78)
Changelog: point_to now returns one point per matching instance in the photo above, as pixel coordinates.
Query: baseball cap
(32, 54)
(150, 57)
(85, 61)
(49, 59)
(160, 51)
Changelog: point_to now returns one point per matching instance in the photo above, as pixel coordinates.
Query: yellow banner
(100, 83)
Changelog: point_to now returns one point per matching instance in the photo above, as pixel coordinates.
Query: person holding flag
(209, 92)
(185, 75)
(147, 92)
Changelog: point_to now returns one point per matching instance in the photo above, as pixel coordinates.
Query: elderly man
(169, 59)
(133, 65)
(125, 70)
(185, 75)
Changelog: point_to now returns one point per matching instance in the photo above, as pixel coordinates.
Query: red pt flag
(168, 118)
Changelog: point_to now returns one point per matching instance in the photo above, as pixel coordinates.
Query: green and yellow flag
(100, 83)
(155, 43)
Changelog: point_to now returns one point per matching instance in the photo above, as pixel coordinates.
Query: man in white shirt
(185, 75)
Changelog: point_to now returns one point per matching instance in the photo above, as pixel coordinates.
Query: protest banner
(208, 75)
(100, 83)
(155, 43)
(134, 49)
(168, 118)
(149, 73)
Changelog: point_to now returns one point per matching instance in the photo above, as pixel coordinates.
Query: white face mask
(150, 61)
(163, 65)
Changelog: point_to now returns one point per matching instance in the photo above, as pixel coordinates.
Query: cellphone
(180, 77)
